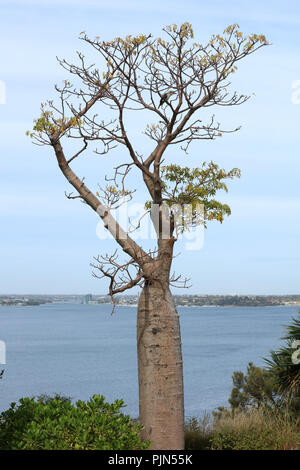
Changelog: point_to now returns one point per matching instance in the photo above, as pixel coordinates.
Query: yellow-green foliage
(195, 186)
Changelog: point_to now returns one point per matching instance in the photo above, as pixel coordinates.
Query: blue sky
(47, 241)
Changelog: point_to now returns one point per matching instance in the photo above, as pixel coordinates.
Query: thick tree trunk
(160, 368)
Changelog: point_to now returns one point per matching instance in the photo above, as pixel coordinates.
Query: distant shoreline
(202, 306)
(198, 301)
(207, 306)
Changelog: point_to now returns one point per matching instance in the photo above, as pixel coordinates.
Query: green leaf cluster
(57, 424)
(197, 186)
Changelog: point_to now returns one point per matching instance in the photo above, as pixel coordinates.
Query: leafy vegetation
(56, 424)
(284, 364)
(198, 433)
(254, 389)
(256, 429)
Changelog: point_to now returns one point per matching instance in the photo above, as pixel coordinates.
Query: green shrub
(255, 429)
(255, 388)
(58, 424)
(244, 429)
(198, 433)
(247, 439)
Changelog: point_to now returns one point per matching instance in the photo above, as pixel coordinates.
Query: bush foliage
(57, 424)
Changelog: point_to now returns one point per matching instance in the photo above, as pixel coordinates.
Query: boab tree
(172, 80)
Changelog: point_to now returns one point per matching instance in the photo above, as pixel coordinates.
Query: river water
(79, 350)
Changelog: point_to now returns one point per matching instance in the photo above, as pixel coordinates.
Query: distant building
(87, 298)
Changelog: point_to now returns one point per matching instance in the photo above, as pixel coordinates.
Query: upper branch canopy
(172, 77)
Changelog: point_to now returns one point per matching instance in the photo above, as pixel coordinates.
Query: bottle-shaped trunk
(160, 368)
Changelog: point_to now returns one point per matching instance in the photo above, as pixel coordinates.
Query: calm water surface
(78, 350)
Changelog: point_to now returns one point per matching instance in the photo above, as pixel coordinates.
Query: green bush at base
(57, 424)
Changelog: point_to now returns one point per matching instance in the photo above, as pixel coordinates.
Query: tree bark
(160, 368)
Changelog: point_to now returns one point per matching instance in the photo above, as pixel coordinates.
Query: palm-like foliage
(281, 363)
